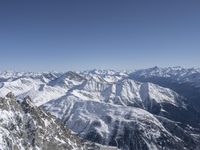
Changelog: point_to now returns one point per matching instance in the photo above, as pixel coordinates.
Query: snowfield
(114, 108)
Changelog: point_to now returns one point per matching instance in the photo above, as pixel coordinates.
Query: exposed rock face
(128, 128)
(24, 126)
(117, 108)
(185, 82)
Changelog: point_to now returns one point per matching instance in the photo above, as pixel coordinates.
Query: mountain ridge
(74, 98)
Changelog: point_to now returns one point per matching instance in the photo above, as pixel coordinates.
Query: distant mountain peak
(138, 110)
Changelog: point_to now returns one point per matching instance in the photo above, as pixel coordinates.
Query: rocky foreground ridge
(25, 126)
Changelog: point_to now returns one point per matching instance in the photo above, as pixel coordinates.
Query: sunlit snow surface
(100, 100)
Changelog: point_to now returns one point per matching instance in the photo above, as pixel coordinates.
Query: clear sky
(44, 35)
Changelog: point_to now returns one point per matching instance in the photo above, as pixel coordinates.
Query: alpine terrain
(149, 109)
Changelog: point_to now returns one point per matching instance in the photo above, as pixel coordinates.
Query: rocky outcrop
(24, 126)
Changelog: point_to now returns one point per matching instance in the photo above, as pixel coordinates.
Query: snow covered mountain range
(156, 108)
(25, 126)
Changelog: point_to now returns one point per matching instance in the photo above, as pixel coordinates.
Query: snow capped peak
(71, 76)
(168, 71)
(182, 75)
(100, 72)
(67, 80)
(24, 126)
(160, 94)
(50, 76)
(110, 107)
(117, 89)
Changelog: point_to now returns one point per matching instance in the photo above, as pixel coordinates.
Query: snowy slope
(185, 82)
(109, 107)
(24, 126)
(113, 125)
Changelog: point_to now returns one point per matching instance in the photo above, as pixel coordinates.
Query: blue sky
(63, 35)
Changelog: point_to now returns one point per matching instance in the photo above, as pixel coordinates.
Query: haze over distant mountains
(155, 108)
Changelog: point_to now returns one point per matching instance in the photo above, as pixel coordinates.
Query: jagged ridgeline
(25, 126)
(150, 109)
